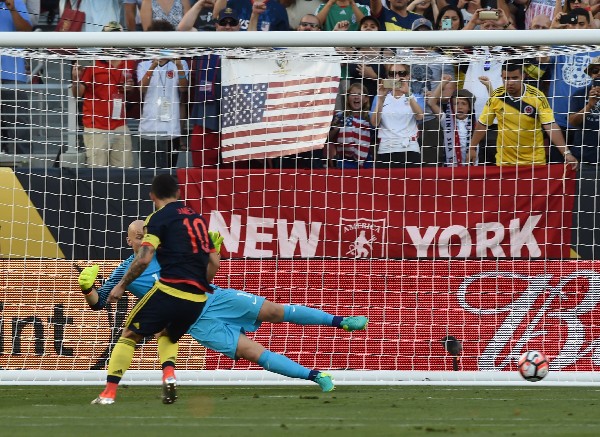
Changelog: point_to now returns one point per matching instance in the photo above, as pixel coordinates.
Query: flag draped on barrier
(274, 107)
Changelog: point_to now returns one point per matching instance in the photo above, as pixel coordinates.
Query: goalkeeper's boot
(169, 390)
(325, 382)
(354, 323)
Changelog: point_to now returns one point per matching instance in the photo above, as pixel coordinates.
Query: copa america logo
(362, 238)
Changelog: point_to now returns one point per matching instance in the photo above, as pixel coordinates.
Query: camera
(489, 4)
(390, 83)
(596, 82)
(489, 15)
(446, 23)
(568, 19)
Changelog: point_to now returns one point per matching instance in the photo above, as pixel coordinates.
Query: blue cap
(228, 13)
(420, 22)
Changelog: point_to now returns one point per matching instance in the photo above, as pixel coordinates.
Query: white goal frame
(306, 40)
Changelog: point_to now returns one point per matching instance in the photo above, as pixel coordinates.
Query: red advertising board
(430, 212)
(497, 309)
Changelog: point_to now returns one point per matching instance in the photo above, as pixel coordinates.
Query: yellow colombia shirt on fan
(520, 120)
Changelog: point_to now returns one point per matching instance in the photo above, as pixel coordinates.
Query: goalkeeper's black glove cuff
(88, 291)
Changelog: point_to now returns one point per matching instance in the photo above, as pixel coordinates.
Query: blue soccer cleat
(325, 382)
(354, 323)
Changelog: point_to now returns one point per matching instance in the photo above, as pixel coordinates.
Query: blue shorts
(226, 314)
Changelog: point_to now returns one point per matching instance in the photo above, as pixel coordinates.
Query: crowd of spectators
(414, 113)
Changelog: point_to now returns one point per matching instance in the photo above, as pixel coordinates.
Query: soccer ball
(533, 366)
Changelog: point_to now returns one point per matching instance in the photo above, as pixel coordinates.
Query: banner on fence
(476, 212)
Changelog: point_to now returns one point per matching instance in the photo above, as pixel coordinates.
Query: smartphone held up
(568, 19)
(491, 10)
(389, 84)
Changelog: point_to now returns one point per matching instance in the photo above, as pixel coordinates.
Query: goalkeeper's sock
(301, 315)
(167, 353)
(282, 365)
(120, 360)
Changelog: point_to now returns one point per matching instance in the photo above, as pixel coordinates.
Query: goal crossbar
(303, 39)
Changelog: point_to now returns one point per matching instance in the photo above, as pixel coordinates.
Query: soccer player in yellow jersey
(523, 113)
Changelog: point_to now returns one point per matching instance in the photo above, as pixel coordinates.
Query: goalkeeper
(227, 315)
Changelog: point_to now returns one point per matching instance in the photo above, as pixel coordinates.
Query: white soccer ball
(533, 366)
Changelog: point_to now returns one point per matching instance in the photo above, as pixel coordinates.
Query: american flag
(272, 108)
(354, 139)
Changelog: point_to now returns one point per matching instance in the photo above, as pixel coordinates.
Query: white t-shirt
(463, 134)
(466, 16)
(33, 7)
(490, 68)
(299, 9)
(161, 95)
(398, 130)
(97, 13)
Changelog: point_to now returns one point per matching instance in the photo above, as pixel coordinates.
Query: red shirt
(103, 85)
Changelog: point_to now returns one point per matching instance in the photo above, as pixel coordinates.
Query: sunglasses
(230, 23)
(575, 1)
(312, 25)
(594, 70)
(398, 73)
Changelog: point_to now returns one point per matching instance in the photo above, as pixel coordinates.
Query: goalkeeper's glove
(87, 277)
(217, 240)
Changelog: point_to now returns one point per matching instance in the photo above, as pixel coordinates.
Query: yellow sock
(167, 353)
(120, 358)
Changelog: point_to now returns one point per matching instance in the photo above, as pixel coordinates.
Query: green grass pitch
(258, 411)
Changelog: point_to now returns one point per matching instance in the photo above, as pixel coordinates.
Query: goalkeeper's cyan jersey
(138, 287)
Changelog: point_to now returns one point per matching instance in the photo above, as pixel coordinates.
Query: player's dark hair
(513, 66)
(580, 11)
(164, 186)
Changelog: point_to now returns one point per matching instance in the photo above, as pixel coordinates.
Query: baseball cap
(112, 26)
(369, 18)
(594, 61)
(228, 13)
(420, 22)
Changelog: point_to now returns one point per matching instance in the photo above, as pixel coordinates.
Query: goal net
(323, 197)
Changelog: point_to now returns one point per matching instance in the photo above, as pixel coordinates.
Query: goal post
(497, 259)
